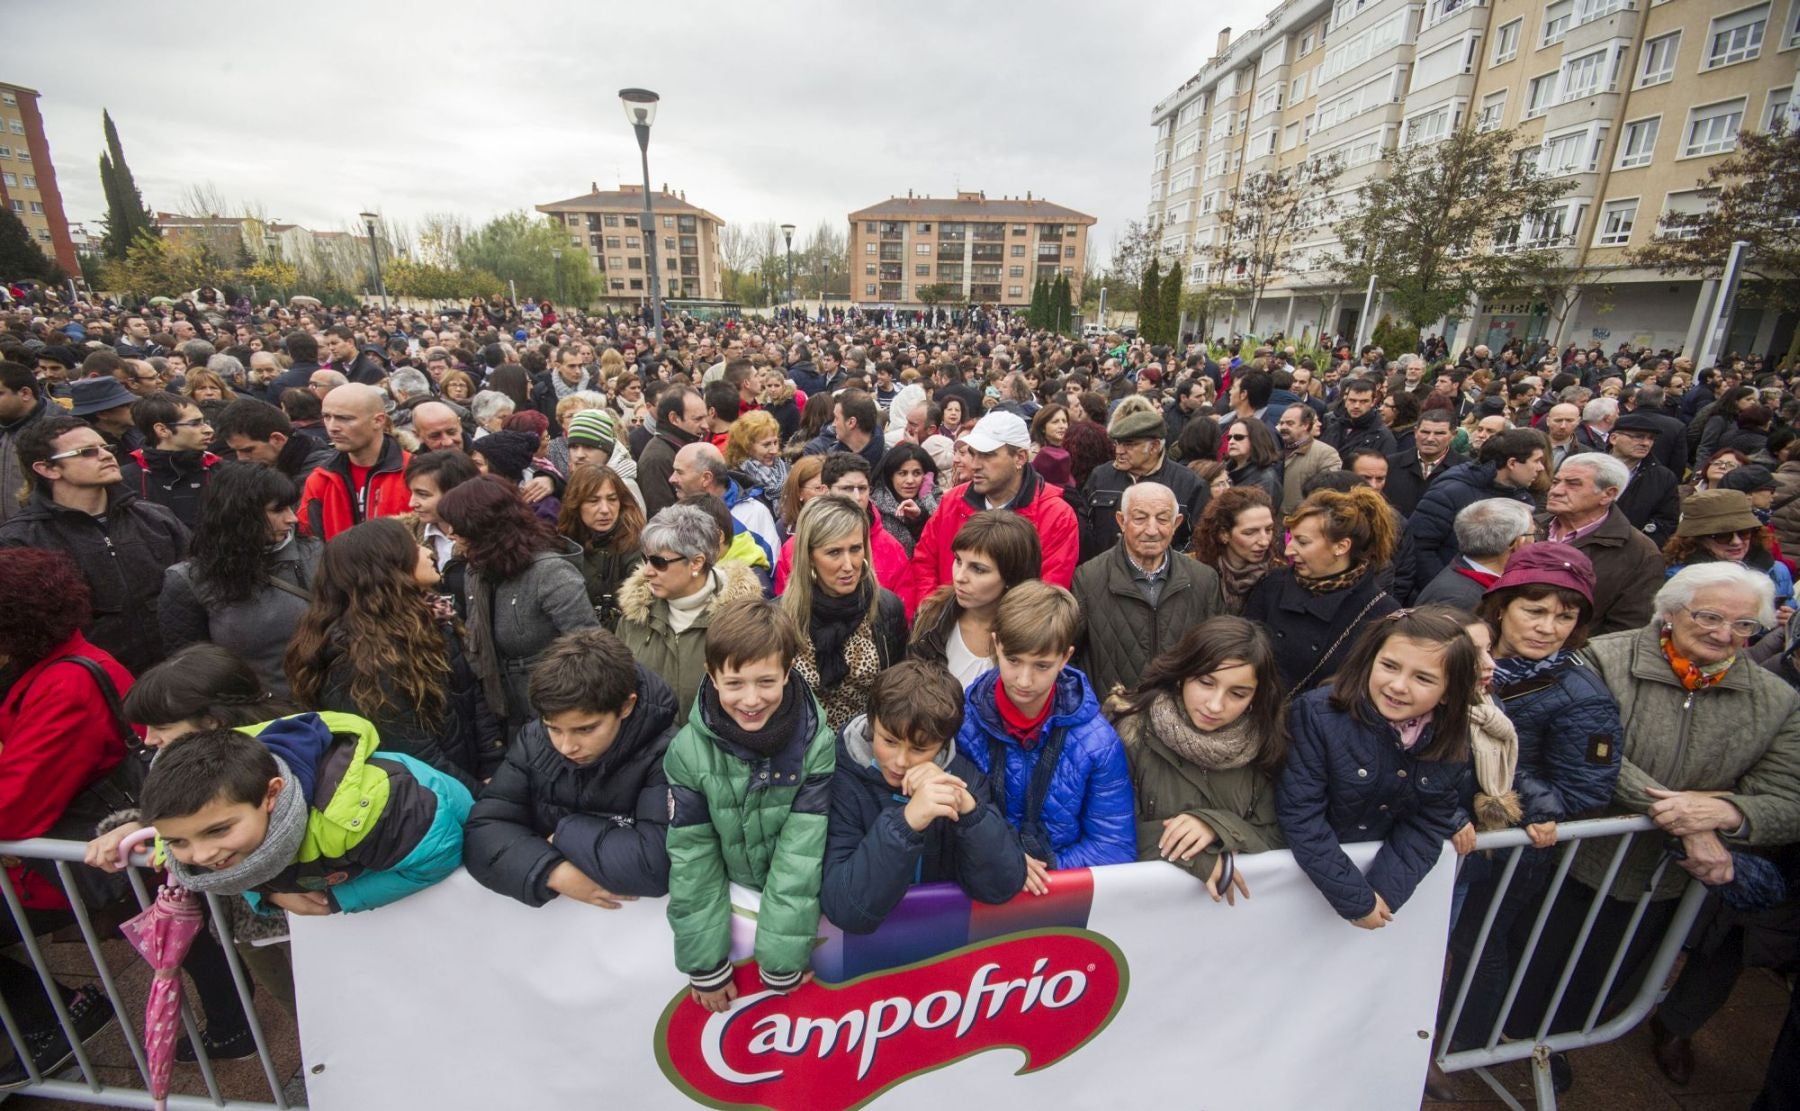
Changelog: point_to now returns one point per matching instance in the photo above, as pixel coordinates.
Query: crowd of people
(344, 600)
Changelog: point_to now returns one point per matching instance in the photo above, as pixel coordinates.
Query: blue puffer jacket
(1089, 814)
(1350, 781)
(1432, 524)
(1569, 741)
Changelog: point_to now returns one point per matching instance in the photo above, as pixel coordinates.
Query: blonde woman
(851, 628)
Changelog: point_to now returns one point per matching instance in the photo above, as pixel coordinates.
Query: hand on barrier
(718, 1002)
(1184, 837)
(1542, 834)
(567, 880)
(302, 902)
(1708, 860)
(1683, 813)
(1037, 875)
(1376, 918)
(1463, 840)
(103, 851)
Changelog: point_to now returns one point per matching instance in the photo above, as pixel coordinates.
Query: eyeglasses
(92, 451)
(1711, 622)
(1237, 438)
(663, 563)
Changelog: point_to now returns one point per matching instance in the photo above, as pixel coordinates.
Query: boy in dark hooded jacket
(907, 808)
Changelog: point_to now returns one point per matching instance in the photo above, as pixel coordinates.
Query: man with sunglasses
(122, 542)
(173, 473)
(1651, 500)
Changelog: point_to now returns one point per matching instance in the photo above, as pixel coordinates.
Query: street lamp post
(787, 230)
(369, 219)
(556, 256)
(640, 112)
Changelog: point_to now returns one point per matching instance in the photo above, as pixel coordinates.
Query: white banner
(1125, 985)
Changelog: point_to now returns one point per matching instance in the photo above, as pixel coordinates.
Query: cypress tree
(1170, 304)
(20, 256)
(1062, 308)
(126, 216)
(1034, 316)
(1149, 300)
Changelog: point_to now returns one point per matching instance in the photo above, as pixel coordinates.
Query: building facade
(977, 250)
(1631, 101)
(604, 227)
(28, 177)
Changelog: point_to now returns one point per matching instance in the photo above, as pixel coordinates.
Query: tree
(1149, 299)
(935, 293)
(1265, 216)
(20, 257)
(1061, 306)
(126, 217)
(1168, 306)
(518, 247)
(1440, 225)
(1756, 192)
(1040, 296)
(1132, 252)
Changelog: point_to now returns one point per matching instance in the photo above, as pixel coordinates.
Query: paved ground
(1732, 1053)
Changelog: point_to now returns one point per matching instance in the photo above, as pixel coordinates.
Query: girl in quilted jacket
(1381, 755)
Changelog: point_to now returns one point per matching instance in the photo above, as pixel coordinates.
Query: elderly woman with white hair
(1711, 753)
(669, 602)
(491, 408)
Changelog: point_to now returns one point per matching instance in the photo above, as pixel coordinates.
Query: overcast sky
(771, 109)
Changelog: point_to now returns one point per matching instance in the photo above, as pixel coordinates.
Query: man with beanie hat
(593, 438)
(1139, 455)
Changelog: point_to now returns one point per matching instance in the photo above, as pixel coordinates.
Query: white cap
(997, 430)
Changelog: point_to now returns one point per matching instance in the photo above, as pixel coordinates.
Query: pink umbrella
(162, 935)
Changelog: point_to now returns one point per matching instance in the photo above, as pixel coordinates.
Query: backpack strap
(1035, 839)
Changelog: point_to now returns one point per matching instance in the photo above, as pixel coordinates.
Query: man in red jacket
(367, 478)
(1000, 446)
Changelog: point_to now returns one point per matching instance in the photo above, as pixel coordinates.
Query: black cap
(1637, 422)
(1749, 478)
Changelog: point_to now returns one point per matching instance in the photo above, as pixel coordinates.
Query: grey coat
(1452, 588)
(523, 615)
(1740, 736)
(1124, 632)
(256, 630)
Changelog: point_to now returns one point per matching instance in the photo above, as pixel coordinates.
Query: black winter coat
(1406, 482)
(1268, 478)
(609, 818)
(122, 560)
(1366, 432)
(1432, 524)
(1651, 501)
(1345, 781)
(872, 856)
(1570, 741)
(175, 480)
(1313, 632)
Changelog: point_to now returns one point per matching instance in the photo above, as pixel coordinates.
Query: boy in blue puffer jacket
(1033, 727)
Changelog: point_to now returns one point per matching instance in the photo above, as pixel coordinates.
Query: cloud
(776, 110)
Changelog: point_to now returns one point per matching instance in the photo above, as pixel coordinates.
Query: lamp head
(640, 106)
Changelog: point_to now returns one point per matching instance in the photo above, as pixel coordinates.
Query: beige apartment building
(604, 228)
(28, 177)
(986, 251)
(1629, 100)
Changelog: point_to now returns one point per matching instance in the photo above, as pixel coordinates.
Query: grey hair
(1679, 591)
(1600, 409)
(1487, 528)
(688, 531)
(489, 404)
(1609, 473)
(409, 383)
(197, 352)
(227, 367)
(1575, 395)
(1138, 491)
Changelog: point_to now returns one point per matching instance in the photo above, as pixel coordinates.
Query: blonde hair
(1037, 618)
(576, 402)
(745, 431)
(826, 518)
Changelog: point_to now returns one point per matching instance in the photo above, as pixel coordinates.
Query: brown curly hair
(1221, 516)
(47, 599)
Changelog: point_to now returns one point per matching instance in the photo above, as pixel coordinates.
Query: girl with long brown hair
(599, 513)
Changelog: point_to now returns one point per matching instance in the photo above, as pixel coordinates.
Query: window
(1572, 152)
(1209, 202)
(1639, 142)
(1215, 164)
(1269, 100)
(631, 221)
(1261, 144)
(633, 243)
(1586, 11)
(5, 152)
(1290, 136)
(1181, 182)
(1364, 45)
(868, 269)
(869, 290)
(9, 100)
(1736, 38)
(1015, 271)
(1306, 45)
(922, 249)
(18, 206)
(1582, 76)
(610, 221)
(17, 127)
(1018, 250)
(1539, 92)
(668, 221)
(1015, 291)
(869, 227)
(1437, 65)
(1712, 129)
(1506, 42)
(1018, 229)
(1616, 219)
(868, 248)
(1297, 91)
(612, 242)
(23, 155)
(1556, 21)
(1493, 111)
(1779, 107)
(1186, 146)
(1791, 37)
(1680, 209)
(10, 180)
(1659, 59)
(634, 263)
(1068, 252)
(1430, 127)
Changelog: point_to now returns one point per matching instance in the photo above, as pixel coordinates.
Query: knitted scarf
(1327, 584)
(769, 476)
(287, 828)
(1494, 750)
(1512, 670)
(1237, 578)
(1693, 676)
(833, 622)
(1219, 750)
(775, 733)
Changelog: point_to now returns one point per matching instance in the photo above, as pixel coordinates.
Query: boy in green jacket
(750, 785)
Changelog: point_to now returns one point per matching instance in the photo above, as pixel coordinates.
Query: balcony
(892, 272)
(1620, 24)
(690, 267)
(892, 229)
(990, 233)
(1050, 233)
(690, 245)
(686, 224)
(1446, 19)
(892, 291)
(987, 252)
(951, 274)
(984, 293)
(893, 252)
(951, 251)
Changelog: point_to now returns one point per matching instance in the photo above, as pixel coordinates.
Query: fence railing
(1572, 838)
(92, 1088)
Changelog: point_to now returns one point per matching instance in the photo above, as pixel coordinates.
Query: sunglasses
(663, 563)
(1737, 534)
(92, 451)
(1236, 439)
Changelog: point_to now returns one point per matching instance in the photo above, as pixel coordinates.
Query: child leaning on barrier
(580, 808)
(304, 813)
(907, 807)
(1034, 709)
(750, 783)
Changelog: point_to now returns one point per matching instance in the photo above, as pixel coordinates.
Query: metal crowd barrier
(1571, 838)
(91, 1088)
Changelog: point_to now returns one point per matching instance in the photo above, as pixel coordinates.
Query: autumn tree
(1266, 217)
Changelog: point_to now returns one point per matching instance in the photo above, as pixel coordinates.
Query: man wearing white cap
(1000, 451)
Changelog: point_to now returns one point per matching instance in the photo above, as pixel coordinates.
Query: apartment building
(604, 227)
(1631, 100)
(986, 251)
(28, 177)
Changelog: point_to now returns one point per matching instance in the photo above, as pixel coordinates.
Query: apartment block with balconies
(979, 250)
(605, 228)
(28, 177)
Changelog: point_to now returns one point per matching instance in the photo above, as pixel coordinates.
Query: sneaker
(236, 1047)
(50, 1051)
(1562, 1073)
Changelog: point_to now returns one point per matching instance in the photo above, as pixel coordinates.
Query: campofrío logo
(833, 1047)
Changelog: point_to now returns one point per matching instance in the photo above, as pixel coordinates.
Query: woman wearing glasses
(671, 599)
(1253, 457)
(1719, 526)
(1711, 751)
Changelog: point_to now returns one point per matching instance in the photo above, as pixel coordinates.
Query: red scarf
(1025, 729)
(1485, 578)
